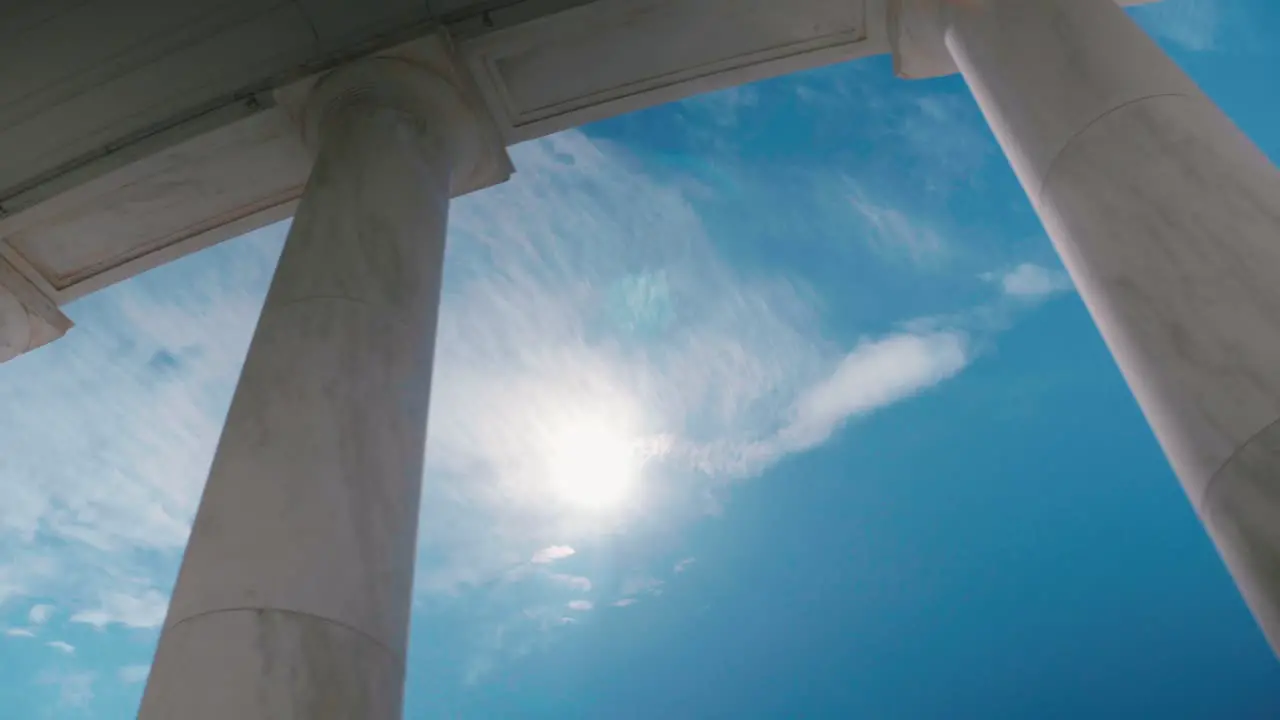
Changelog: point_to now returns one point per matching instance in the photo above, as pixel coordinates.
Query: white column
(28, 319)
(15, 325)
(1168, 219)
(294, 594)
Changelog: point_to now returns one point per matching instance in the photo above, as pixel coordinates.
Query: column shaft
(1168, 219)
(294, 594)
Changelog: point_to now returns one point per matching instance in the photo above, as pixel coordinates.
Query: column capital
(917, 34)
(28, 319)
(917, 37)
(422, 80)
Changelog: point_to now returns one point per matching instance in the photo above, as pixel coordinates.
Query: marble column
(294, 594)
(15, 325)
(1168, 219)
(28, 319)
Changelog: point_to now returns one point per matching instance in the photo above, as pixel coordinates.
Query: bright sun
(593, 467)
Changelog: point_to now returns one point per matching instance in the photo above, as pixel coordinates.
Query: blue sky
(886, 467)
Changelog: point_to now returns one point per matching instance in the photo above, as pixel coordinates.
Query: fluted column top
(421, 80)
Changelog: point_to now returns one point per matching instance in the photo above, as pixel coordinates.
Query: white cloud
(40, 614)
(724, 107)
(130, 674)
(947, 138)
(876, 373)
(1191, 24)
(639, 584)
(575, 582)
(513, 635)
(143, 610)
(933, 138)
(1029, 281)
(19, 632)
(75, 689)
(36, 568)
(684, 565)
(551, 554)
(65, 647)
(624, 602)
(580, 605)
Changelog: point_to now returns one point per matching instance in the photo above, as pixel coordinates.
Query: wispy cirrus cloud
(640, 585)
(723, 108)
(1029, 281)
(575, 582)
(75, 689)
(130, 674)
(61, 646)
(1190, 24)
(104, 466)
(876, 373)
(144, 608)
(938, 137)
(551, 553)
(895, 236)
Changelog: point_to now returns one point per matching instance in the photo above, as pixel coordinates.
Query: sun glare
(593, 467)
